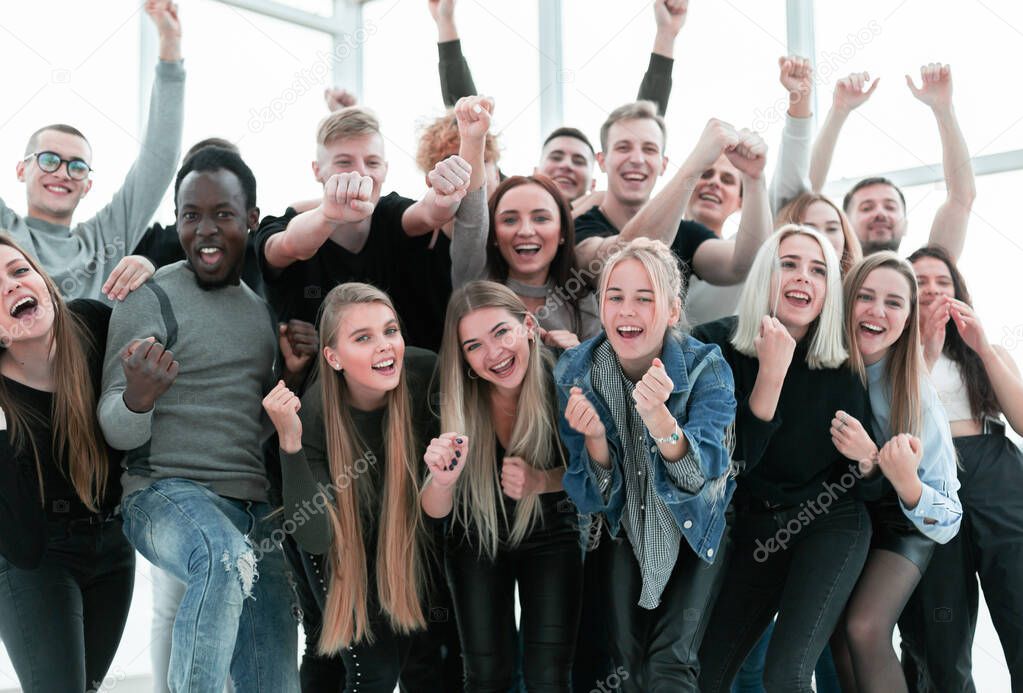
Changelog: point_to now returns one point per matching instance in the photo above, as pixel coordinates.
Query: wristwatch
(676, 435)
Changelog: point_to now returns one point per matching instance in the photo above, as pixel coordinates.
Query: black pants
(657, 649)
(939, 622)
(593, 658)
(547, 566)
(798, 564)
(62, 622)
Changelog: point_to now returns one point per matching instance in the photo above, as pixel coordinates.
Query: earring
(472, 375)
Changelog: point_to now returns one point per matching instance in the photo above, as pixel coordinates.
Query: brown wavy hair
(795, 210)
(76, 432)
(400, 574)
(979, 390)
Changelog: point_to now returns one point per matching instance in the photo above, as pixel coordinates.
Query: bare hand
(935, 86)
(338, 98)
(299, 343)
(900, 458)
(849, 93)
(282, 405)
(749, 154)
(347, 198)
(442, 10)
(473, 114)
(445, 458)
(130, 273)
(933, 321)
(449, 180)
(149, 370)
(582, 417)
(716, 138)
(164, 14)
(559, 339)
(850, 438)
(774, 346)
(652, 390)
(671, 15)
(520, 479)
(969, 326)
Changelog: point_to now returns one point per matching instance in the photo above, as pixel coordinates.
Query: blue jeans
(238, 606)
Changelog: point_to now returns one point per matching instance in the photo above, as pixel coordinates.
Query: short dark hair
(216, 159)
(30, 148)
(867, 182)
(211, 142)
(570, 132)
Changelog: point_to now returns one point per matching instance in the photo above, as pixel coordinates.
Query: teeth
(872, 327)
(711, 198)
(527, 247)
(209, 251)
(801, 295)
(28, 300)
(385, 364)
(504, 364)
(630, 328)
(634, 176)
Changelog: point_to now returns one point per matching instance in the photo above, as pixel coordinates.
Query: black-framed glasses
(50, 162)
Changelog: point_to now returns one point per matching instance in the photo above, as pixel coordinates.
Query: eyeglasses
(50, 162)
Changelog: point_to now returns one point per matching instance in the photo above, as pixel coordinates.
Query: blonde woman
(350, 464)
(66, 568)
(917, 502)
(800, 534)
(497, 477)
(646, 409)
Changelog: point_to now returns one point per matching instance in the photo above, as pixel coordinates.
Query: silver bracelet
(676, 435)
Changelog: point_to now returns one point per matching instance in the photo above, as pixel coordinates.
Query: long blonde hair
(905, 357)
(76, 431)
(827, 349)
(399, 560)
(465, 407)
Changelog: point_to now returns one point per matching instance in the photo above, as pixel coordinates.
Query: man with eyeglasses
(57, 172)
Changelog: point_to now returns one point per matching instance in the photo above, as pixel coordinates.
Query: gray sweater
(208, 426)
(81, 258)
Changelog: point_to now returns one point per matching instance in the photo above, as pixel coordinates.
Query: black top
(162, 245)
(308, 470)
(790, 458)
(456, 78)
(22, 516)
(690, 236)
(415, 275)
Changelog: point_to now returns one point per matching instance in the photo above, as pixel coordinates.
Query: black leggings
(547, 566)
(656, 650)
(938, 624)
(799, 565)
(62, 622)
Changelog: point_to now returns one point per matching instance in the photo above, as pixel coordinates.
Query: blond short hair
(637, 110)
(346, 123)
(661, 265)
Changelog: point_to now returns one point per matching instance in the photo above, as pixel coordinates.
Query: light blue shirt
(939, 511)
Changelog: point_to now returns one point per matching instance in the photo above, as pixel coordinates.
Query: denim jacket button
(688, 524)
(653, 448)
(710, 552)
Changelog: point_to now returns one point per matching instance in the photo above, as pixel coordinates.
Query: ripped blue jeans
(238, 612)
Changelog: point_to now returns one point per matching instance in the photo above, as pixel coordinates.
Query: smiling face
(634, 317)
(363, 154)
(213, 225)
(527, 231)
(799, 284)
(717, 194)
(369, 349)
(27, 307)
(823, 217)
(880, 311)
(54, 196)
(569, 163)
(933, 280)
(495, 343)
(633, 160)
(878, 218)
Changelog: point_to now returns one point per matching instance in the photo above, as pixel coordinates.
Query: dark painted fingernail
(458, 440)
(454, 463)
(458, 453)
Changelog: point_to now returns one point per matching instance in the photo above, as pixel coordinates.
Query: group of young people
(383, 419)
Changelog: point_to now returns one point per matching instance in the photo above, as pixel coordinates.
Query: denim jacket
(703, 403)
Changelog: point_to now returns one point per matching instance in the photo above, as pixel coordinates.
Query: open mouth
(872, 329)
(710, 197)
(629, 331)
(503, 368)
(210, 256)
(798, 298)
(24, 308)
(385, 367)
(527, 249)
(58, 189)
(565, 181)
(634, 177)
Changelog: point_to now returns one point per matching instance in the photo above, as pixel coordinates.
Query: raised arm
(791, 173)
(125, 218)
(849, 95)
(455, 76)
(727, 262)
(346, 207)
(950, 221)
(448, 181)
(670, 16)
(469, 238)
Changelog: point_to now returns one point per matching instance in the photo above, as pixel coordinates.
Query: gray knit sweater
(81, 258)
(208, 426)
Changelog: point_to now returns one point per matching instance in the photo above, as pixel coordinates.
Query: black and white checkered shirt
(648, 522)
